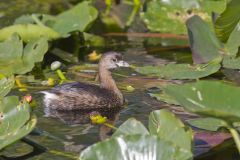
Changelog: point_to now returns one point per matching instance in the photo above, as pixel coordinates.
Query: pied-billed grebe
(82, 96)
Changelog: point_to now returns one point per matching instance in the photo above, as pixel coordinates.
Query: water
(63, 135)
(58, 134)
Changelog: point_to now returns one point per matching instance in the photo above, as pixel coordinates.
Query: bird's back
(80, 96)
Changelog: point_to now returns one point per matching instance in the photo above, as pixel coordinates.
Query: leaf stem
(235, 137)
(110, 126)
(61, 75)
(38, 22)
(59, 153)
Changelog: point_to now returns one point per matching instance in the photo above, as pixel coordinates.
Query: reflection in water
(77, 117)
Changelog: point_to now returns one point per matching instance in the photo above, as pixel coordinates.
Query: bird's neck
(107, 82)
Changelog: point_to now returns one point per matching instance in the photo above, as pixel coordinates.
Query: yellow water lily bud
(94, 56)
(130, 88)
(98, 119)
(50, 82)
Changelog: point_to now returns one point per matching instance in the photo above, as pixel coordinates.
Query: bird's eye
(114, 60)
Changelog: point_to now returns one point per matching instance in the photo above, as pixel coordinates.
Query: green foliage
(165, 125)
(201, 98)
(168, 139)
(231, 62)
(233, 43)
(228, 20)
(78, 18)
(204, 44)
(14, 59)
(209, 123)
(130, 147)
(15, 120)
(210, 98)
(164, 97)
(131, 127)
(28, 32)
(180, 71)
(170, 16)
(6, 85)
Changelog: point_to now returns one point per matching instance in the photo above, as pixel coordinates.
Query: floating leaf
(180, 71)
(77, 18)
(210, 98)
(164, 124)
(228, 20)
(6, 85)
(231, 62)
(164, 97)
(204, 44)
(28, 32)
(16, 60)
(210, 124)
(170, 16)
(131, 127)
(131, 147)
(15, 121)
(233, 42)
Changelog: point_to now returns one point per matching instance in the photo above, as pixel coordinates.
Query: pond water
(63, 135)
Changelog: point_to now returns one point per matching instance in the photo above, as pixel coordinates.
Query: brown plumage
(83, 96)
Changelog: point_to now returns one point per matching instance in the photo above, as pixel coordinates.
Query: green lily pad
(209, 98)
(16, 60)
(165, 125)
(15, 121)
(228, 20)
(210, 124)
(203, 42)
(180, 71)
(77, 18)
(170, 16)
(231, 62)
(164, 97)
(233, 42)
(131, 147)
(131, 127)
(28, 32)
(6, 85)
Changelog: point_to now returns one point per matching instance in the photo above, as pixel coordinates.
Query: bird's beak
(122, 64)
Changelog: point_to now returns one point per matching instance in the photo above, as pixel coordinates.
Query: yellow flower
(130, 88)
(94, 56)
(98, 119)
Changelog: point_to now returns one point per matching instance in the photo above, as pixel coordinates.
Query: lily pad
(16, 60)
(6, 85)
(233, 42)
(180, 71)
(170, 16)
(209, 98)
(77, 18)
(203, 42)
(28, 32)
(131, 127)
(228, 20)
(15, 121)
(131, 147)
(164, 124)
(164, 98)
(231, 62)
(210, 124)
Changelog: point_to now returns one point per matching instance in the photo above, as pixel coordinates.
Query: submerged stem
(235, 137)
(59, 153)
